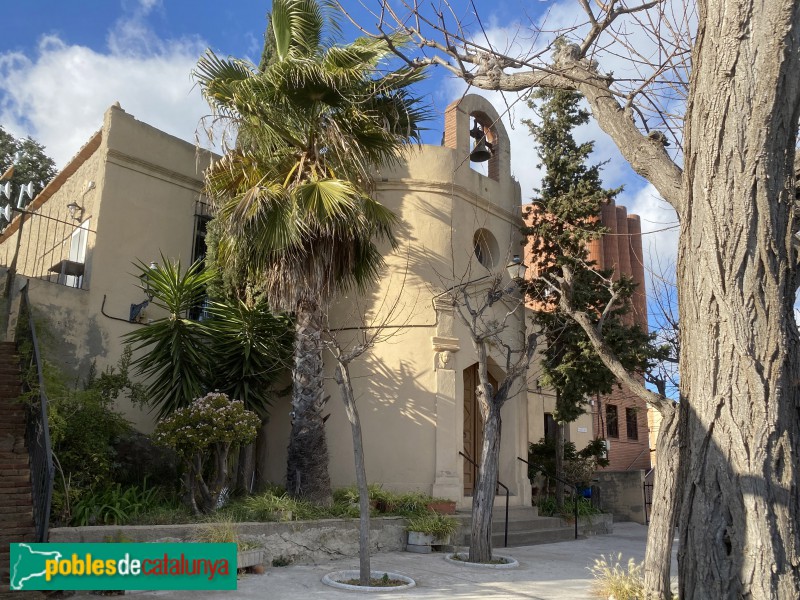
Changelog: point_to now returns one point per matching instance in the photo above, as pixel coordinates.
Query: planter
(249, 558)
(422, 543)
(335, 580)
(443, 507)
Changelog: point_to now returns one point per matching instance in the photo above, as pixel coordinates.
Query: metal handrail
(37, 432)
(505, 525)
(564, 481)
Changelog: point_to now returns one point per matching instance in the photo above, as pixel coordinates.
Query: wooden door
(473, 426)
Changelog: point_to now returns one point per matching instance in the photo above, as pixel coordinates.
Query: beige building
(133, 193)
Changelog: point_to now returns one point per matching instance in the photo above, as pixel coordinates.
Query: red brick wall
(621, 249)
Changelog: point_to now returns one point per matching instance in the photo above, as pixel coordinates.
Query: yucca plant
(240, 349)
(173, 351)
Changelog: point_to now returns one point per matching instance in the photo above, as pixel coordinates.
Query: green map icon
(28, 564)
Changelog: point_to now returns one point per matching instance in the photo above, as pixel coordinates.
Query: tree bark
(307, 463)
(559, 464)
(480, 544)
(245, 469)
(342, 376)
(736, 286)
(665, 508)
(262, 457)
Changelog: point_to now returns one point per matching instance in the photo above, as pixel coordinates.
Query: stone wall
(296, 541)
(622, 494)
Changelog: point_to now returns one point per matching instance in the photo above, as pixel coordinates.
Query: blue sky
(63, 63)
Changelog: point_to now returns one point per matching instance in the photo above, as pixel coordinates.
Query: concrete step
(532, 538)
(525, 527)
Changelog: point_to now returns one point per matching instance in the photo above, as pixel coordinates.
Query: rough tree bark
(736, 289)
(342, 376)
(480, 541)
(665, 507)
(307, 462)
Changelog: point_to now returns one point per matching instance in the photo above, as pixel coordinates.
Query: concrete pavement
(546, 572)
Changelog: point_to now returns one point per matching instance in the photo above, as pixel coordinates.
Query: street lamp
(516, 269)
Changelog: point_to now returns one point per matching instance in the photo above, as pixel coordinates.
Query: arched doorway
(473, 426)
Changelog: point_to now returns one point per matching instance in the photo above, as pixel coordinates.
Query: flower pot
(249, 558)
(443, 507)
(421, 543)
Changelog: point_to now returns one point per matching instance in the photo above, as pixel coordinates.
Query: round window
(487, 251)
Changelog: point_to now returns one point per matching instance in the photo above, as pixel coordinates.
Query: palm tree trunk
(307, 463)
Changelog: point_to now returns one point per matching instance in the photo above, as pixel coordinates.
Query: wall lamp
(136, 309)
(75, 209)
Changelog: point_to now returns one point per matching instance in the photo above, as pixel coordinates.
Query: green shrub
(268, 507)
(114, 505)
(548, 508)
(203, 434)
(431, 523)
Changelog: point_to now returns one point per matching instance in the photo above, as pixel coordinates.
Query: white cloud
(59, 95)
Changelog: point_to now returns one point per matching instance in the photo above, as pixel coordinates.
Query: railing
(54, 249)
(37, 434)
(505, 524)
(565, 482)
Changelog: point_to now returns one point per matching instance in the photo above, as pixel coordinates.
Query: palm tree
(293, 196)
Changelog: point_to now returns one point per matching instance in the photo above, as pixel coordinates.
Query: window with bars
(612, 421)
(632, 423)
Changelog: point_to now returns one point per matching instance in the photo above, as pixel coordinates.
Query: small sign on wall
(582, 430)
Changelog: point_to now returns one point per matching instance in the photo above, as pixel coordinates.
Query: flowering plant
(202, 434)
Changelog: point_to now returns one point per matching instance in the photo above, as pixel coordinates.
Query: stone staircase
(525, 527)
(16, 504)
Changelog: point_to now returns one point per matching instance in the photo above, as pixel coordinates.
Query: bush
(549, 508)
(203, 434)
(114, 505)
(431, 523)
(579, 466)
(614, 580)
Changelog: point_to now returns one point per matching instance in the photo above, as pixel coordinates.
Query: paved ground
(546, 572)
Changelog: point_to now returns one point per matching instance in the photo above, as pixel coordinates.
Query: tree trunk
(559, 464)
(345, 386)
(245, 469)
(480, 544)
(665, 508)
(262, 457)
(736, 284)
(307, 463)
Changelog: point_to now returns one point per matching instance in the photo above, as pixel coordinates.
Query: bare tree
(732, 117)
(489, 311)
(346, 345)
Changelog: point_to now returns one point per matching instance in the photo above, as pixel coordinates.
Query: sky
(63, 63)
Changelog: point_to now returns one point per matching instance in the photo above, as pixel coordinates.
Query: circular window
(486, 248)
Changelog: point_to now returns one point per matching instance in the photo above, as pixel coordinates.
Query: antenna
(7, 213)
(25, 189)
(6, 190)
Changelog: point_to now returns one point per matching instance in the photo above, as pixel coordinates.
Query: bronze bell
(482, 150)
